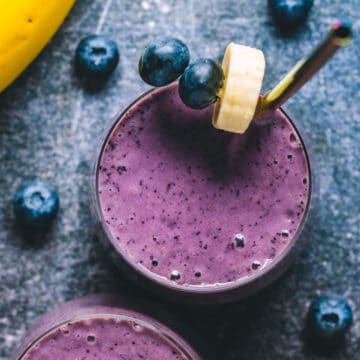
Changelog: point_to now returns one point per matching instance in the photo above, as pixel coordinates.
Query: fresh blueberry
(163, 61)
(96, 57)
(35, 204)
(200, 83)
(329, 317)
(290, 14)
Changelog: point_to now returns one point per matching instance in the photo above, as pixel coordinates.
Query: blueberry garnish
(200, 83)
(96, 57)
(290, 14)
(329, 317)
(35, 204)
(163, 61)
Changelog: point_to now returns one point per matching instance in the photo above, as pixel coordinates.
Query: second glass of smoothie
(106, 327)
(194, 213)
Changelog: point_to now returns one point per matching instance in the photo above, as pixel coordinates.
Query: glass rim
(156, 329)
(201, 289)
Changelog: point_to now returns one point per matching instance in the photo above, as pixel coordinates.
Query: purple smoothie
(196, 209)
(97, 328)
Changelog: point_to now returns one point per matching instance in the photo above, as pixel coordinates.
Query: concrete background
(49, 126)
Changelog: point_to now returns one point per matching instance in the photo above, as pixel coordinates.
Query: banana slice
(244, 69)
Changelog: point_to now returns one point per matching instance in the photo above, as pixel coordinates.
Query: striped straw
(340, 35)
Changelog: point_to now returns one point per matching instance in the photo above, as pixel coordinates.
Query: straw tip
(342, 29)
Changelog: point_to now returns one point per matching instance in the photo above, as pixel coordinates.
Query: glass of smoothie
(195, 213)
(104, 327)
(201, 215)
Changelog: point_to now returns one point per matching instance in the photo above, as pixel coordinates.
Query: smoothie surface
(195, 205)
(103, 338)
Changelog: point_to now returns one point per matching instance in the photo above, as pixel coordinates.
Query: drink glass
(196, 214)
(106, 326)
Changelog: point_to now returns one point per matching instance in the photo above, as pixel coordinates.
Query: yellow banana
(25, 28)
(244, 69)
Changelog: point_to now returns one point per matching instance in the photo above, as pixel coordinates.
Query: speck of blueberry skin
(169, 186)
(121, 169)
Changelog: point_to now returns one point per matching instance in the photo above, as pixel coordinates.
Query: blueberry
(329, 317)
(163, 61)
(96, 57)
(200, 83)
(35, 204)
(290, 14)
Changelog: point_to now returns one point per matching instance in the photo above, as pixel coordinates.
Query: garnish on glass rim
(234, 88)
(244, 106)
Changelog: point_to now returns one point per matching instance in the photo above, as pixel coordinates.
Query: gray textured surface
(49, 126)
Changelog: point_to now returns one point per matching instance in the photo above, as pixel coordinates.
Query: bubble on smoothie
(239, 241)
(197, 274)
(285, 233)
(256, 264)
(137, 327)
(175, 275)
(91, 338)
(154, 263)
